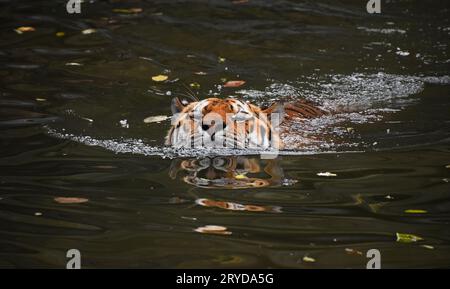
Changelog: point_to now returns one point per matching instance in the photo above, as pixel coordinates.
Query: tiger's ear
(176, 106)
(277, 108)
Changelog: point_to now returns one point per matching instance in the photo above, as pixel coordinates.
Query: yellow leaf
(221, 59)
(159, 78)
(308, 259)
(60, 34)
(40, 99)
(195, 85)
(407, 238)
(415, 211)
(23, 29)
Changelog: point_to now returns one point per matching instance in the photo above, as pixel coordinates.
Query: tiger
(233, 123)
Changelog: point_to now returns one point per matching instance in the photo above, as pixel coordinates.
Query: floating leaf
(60, 34)
(105, 167)
(234, 83)
(221, 59)
(88, 119)
(89, 31)
(70, 200)
(38, 214)
(308, 259)
(127, 11)
(407, 238)
(229, 260)
(447, 166)
(73, 64)
(415, 211)
(213, 229)
(327, 174)
(40, 99)
(22, 29)
(159, 78)
(156, 118)
(195, 85)
(200, 73)
(351, 251)
(428, 247)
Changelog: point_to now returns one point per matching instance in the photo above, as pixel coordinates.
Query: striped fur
(249, 125)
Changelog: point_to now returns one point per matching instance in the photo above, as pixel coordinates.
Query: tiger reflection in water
(231, 172)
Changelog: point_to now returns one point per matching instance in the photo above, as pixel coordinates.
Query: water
(386, 146)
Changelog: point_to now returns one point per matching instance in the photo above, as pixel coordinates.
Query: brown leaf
(22, 29)
(127, 11)
(234, 83)
(213, 229)
(70, 200)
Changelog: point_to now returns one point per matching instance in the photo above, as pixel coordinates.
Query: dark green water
(62, 99)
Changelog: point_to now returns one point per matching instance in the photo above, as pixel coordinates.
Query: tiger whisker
(191, 92)
(188, 96)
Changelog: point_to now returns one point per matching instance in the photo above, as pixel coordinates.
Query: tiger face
(229, 123)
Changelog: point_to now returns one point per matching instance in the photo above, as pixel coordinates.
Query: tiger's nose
(205, 127)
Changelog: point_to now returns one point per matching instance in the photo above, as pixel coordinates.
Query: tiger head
(229, 123)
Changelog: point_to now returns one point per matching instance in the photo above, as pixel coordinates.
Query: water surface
(64, 100)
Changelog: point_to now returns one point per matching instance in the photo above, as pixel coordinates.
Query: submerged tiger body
(232, 123)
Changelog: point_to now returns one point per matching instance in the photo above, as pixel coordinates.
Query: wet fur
(185, 127)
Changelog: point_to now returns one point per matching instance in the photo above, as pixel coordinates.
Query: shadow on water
(79, 167)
